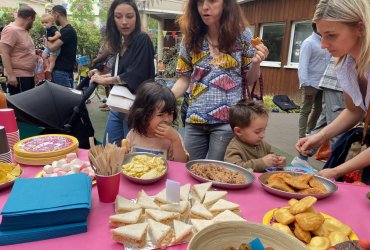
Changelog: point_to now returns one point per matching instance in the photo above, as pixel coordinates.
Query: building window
(300, 31)
(272, 35)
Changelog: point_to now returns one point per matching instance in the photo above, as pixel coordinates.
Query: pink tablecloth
(348, 204)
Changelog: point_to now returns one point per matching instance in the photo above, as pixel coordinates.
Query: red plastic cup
(108, 187)
(7, 119)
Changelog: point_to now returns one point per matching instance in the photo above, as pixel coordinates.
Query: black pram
(58, 109)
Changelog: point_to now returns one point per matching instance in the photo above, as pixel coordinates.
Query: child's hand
(271, 160)
(165, 131)
(281, 161)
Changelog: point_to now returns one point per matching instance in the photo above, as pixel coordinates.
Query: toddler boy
(52, 34)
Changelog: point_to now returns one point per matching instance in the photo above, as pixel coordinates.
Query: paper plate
(329, 185)
(291, 169)
(267, 219)
(128, 158)
(41, 175)
(232, 234)
(249, 177)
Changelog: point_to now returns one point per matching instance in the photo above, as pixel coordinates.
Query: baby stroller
(58, 109)
(284, 103)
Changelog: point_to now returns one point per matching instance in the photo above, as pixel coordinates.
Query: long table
(348, 204)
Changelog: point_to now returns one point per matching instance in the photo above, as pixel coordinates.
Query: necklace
(211, 43)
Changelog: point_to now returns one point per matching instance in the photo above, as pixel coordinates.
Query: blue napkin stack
(43, 208)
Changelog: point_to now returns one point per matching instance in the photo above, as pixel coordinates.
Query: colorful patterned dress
(216, 81)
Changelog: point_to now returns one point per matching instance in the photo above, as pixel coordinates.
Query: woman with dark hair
(136, 59)
(217, 60)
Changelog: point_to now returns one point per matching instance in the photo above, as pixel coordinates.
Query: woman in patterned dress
(215, 58)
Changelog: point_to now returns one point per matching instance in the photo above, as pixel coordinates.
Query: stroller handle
(77, 109)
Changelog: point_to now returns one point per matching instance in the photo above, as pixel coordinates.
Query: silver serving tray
(128, 158)
(329, 185)
(249, 177)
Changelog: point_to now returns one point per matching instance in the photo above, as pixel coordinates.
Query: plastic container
(2, 100)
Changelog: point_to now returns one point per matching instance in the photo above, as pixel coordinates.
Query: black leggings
(24, 83)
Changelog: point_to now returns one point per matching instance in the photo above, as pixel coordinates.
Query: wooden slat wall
(280, 80)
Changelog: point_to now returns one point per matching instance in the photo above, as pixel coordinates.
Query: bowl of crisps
(8, 173)
(144, 168)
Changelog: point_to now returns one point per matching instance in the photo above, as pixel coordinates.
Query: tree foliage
(7, 15)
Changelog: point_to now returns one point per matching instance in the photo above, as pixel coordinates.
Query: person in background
(332, 106)
(215, 56)
(104, 61)
(52, 34)
(63, 70)
(248, 120)
(313, 61)
(18, 51)
(151, 119)
(136, 60)
(345, 30)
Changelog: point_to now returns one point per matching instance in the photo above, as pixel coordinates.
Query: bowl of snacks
(296, 185)
(221, 174)
(8, 173)
(243, 235)
(144, 168)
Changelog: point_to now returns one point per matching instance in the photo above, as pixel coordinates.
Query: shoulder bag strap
(366, 126)
(116, 65)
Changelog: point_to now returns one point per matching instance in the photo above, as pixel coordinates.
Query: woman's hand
(305, 144)
(329, 173)
(261, 54)
(101, 79)
(92, 72)
(165, 131)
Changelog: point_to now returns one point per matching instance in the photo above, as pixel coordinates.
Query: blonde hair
(350, 12)
(47, 17)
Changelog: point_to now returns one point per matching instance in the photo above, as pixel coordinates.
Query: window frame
(290, 64)
(274, 64)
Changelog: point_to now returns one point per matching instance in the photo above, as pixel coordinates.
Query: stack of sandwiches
(163, 221)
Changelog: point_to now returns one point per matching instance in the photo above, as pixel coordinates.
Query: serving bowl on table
(128, 159)
(249, 177)
(232, 234)
(330, 186)
(10, 183)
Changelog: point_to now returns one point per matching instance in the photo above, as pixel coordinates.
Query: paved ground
(282, 132)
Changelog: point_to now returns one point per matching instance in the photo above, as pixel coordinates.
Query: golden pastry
(309, 221)
(337, 237)
(302, 205)
(299, 182)
(283, 228)
(334, 225)
(315, 183)
(301, 234)
(322, 230)
(283, 216)
(292, 201)
(319, 243)
(281, 185)
(279, 176)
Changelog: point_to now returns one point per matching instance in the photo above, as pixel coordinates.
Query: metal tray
(10, 183)
(249, 177)
(329, 185)
(128, 158)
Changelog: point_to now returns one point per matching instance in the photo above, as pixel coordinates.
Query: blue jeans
(209, 141)
(62, 78)
(116, 127)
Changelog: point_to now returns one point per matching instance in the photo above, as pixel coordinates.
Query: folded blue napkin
(41, 233)
(40, 202)
(34, 195)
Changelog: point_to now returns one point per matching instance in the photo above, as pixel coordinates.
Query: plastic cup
(4, 145)
(108, 187)
(7, 119)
